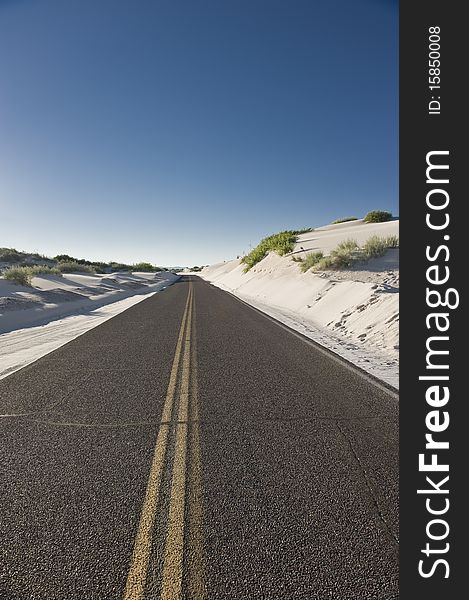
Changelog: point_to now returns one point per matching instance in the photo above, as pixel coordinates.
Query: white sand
(353, 312)
(35, 321)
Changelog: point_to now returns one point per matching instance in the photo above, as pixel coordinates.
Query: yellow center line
(171, 586)
(196, 588)
(142, 547)
(185, 377)
(168, 406)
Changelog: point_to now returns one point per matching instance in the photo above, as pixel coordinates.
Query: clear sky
(182, 131)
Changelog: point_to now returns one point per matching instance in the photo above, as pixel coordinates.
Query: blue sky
(183, 131)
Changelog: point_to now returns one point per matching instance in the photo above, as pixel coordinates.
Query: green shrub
(345, 247)
(144, 267)
(376, 246)
(42, 270)
(311, 259)
(23, 275)
(74, 267)
(341, 257)
(392, 241)
(335, 262)
(64, 258)
(344, 220)
(347, 253)
(114, 266)
(377, 216)
(19, 275)
(327, 263)
(297, 259)
(281, 243)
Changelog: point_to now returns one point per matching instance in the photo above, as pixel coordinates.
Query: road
(191, 447)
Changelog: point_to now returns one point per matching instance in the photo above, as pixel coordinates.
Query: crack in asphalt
(368, 485)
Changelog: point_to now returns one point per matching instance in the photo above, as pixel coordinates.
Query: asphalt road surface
(192, 448)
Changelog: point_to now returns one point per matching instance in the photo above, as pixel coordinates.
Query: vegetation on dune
(348, 253)
(116, 266)
(282, 243)
(62, 263)
(344, 220)
(94, 266)
(377, 216)
(74, 267)
(346, 246)
(341, 257)
(40, 270)
(376, 246)
(19, 275)
(12, 255)
(145, 267)
(311, 259)
(9, 255)
(103, 267)
(23, 275)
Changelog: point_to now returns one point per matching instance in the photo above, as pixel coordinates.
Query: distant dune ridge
(353, 311)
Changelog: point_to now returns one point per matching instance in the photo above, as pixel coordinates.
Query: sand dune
(36, 320)
(354, 312)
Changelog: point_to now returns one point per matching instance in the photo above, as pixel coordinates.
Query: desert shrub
(377, 216)
(23, 275)
(338, 260)
(376, 246)
(144, 267)
(297, 259)
(281, 243)
(392, 241)
(74, 267)
(334, 262)
(347, 253)
(304, 230)
(64, 258)
(326, 263)
(19, 275)
(43, 270)
(311, 259)
(344, 220)
(345, 246)
(114, 266)
(342, 256)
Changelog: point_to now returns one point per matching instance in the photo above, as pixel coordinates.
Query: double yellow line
(175, 418)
